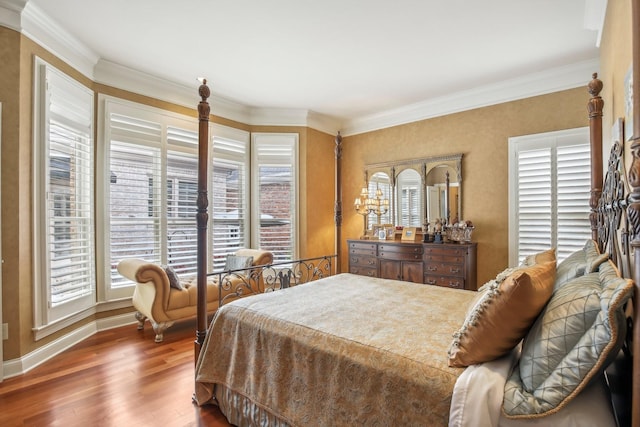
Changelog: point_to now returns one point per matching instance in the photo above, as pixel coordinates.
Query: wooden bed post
(594, 107)
(634, 207)
(202, 216)
(338, 205)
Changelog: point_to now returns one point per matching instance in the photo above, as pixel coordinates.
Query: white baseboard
(14, 367)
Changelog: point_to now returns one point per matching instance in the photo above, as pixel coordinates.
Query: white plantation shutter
(152, 190)
(64, 188)
(134, 192)
(550, 189)
(574, 191)
(229, 229)
(274, 214)
(409, 187)
(534, 202)
(181, 199)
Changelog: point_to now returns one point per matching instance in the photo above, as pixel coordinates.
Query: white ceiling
(341, 58)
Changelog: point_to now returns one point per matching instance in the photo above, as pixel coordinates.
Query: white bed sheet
(477, 401)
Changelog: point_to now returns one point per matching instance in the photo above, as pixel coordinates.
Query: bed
(350, 350)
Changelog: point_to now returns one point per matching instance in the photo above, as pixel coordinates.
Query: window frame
(265, 138)
(107, 106)
(220, 132)
(49, 317)
(166, 119)
(551, 140)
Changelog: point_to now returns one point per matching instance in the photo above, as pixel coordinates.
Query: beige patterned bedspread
(345, 350)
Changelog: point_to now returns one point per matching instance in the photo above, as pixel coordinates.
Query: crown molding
(56, 39)
(294, 117)
(324, 123)
(11, 13)
(540, 83)
(121, 77)
(595, 12)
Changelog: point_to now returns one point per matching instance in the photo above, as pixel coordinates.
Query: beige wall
(16, 89)
(482, 136)
(10, 96)
(615, 61)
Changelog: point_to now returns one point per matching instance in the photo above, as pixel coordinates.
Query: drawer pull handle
(431, 282)
(371, 262)
(430, 268)
(454, 270)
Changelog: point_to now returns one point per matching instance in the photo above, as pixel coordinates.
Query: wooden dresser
(443, 264)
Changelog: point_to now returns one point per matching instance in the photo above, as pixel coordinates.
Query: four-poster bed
(272, 370)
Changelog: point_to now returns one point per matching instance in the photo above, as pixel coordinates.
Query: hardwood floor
(119, 377)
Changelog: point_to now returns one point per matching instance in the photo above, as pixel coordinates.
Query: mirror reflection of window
(435, 208)
(437, 197)
(410, 193)
(379, 180)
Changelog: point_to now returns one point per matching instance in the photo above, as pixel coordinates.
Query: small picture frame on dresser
(391, 232)
(409, 234)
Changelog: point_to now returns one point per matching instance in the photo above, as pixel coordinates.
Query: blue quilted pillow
(572, 341)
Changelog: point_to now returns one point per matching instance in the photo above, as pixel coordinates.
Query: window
(229, 194)
(150, 186)
(550, 184)
(63, 183)
(150, 190)
(275, 201)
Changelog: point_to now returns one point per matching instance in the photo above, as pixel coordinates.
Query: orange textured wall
(615, 63)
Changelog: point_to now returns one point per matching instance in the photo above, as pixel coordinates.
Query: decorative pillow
(540, 258)
(237, 262)
(174, 281)
(573, 340)
(502, 315)
(594, 264)
(571, 267)
(591, 249)
(593, 256)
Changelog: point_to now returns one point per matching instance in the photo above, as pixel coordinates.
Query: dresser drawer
(445, 254)
(445, 281)
(363, 261)
(444, 258)
(400, 252)
(449, 269)
(363, 248)
(363, 271)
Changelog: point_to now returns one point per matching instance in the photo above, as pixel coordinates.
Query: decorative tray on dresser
(443, 264)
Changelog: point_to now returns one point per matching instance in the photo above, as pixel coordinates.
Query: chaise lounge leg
(159, 329)
(140, 318)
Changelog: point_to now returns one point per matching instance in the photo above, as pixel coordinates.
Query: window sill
(101, 307)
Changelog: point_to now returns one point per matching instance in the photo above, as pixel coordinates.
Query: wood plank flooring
(119, 377)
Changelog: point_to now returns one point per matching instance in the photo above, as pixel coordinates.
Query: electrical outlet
(5, 331)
